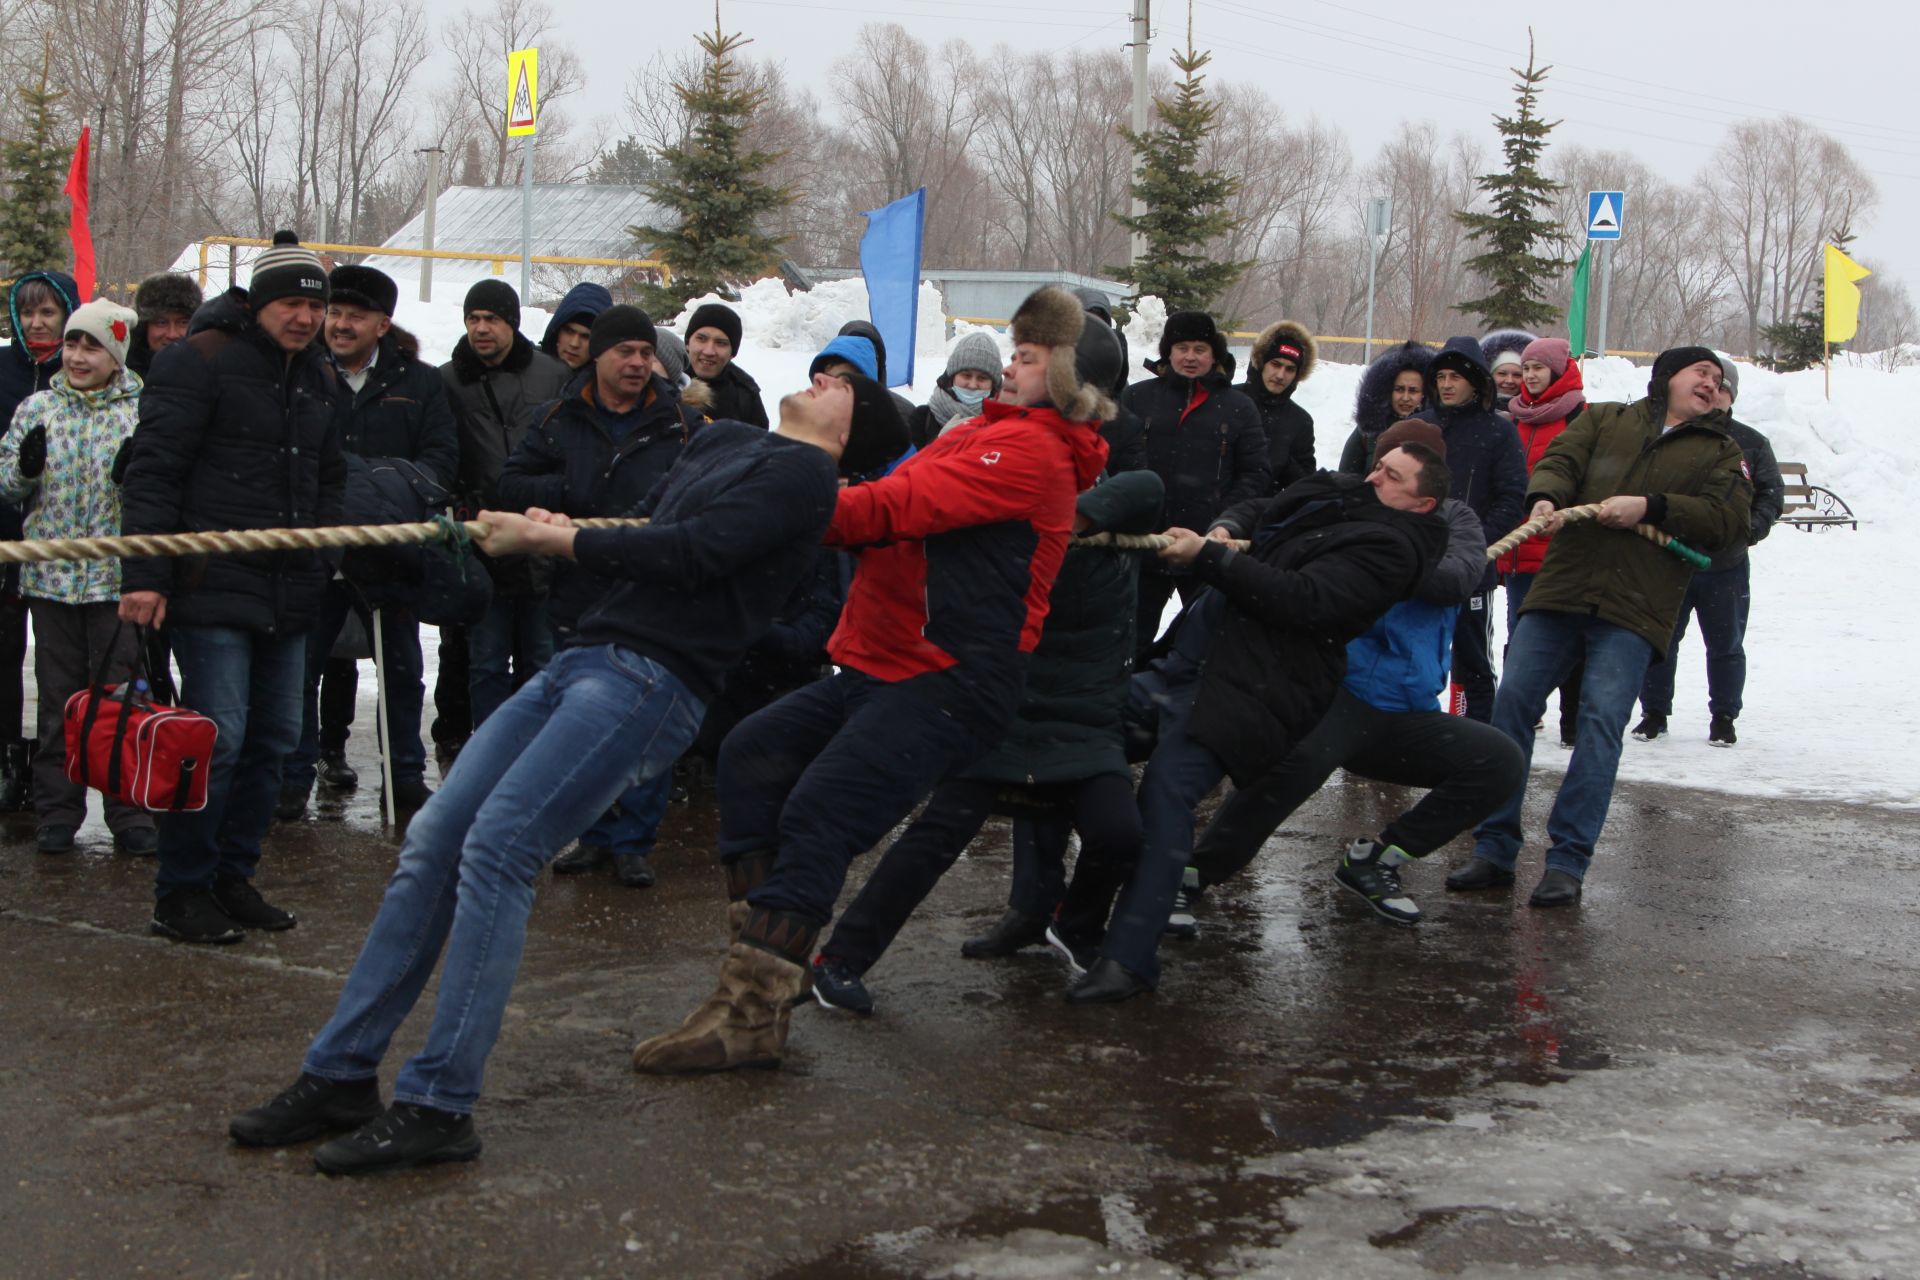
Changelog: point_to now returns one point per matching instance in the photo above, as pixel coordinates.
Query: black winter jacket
(493, 407)
(1484, 454)
(1068, 727)
(1769, 492)
(1210, 458)
(1327, 559)
(570, 463)
(736, 398)
(1289, 431)
(21, 376)
(235, 434)
(403, 412)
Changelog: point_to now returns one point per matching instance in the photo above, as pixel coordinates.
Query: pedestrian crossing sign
(1606, 214)
(523, 92)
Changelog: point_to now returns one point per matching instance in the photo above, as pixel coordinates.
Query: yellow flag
(1843, 295)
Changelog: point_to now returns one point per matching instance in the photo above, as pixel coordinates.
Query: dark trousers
(1473, 655)
(1106, 816)
(1721, 598)
(1101, 809)
(339, 700)
(13, 662)
(823, 774)
(1518, 584)
(1179, 775)
(406, 687)
(452, 702)
(1156, 588)
(1471, 768)
(70, 643)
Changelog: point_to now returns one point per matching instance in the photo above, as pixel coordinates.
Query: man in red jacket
(958, 549)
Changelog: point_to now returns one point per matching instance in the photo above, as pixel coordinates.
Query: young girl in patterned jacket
(58, 460)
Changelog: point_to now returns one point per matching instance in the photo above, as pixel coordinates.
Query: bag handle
(98, 689)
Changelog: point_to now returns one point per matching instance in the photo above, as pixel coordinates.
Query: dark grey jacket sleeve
(1457, 575)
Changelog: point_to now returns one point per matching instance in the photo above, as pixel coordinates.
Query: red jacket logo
(990, 458)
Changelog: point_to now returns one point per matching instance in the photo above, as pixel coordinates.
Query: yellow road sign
(523, 92)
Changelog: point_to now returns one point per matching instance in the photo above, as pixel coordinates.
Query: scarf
(1565, 394)
(43, 351)
(945, 409)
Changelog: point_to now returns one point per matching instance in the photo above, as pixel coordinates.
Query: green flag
(1577, 308)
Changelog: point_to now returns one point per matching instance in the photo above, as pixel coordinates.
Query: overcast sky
(1662, 80)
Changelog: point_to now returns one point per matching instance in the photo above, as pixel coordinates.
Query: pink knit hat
(1551, 352)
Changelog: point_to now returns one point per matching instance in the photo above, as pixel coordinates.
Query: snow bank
(772, 319)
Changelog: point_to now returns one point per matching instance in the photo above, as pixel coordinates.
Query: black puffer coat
(1068, 727)
(1373, 406)
(1483, 448)
(1289, 427)
(403, 412)
(570, 463)
(1209, 458)
(1327, 559)
(736, 397)
(235, 434)
(21, 376)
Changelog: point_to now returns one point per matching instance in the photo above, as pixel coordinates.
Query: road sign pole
(1606, 286)
(526, 230)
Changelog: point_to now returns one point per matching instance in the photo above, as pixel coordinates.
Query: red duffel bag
(123, 744)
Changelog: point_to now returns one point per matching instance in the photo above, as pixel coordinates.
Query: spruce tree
(1184, 206)
(712, 181)
(33, 224)
(1519, 224)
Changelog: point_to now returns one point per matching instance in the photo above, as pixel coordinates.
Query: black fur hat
(368, 287)
(164, 292)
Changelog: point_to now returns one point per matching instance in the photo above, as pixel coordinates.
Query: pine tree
(712, 182)
(1799, 343)
(1184, 206)
(1516, 274)
(33, 224)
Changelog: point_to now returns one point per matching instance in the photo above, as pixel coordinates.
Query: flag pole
(1827, 364)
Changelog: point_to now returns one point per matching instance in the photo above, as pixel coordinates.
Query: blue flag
(890, 263)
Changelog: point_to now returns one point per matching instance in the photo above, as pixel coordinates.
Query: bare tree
(479, 41)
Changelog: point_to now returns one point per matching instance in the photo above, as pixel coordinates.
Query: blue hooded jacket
(1404, 660)
(583, 303)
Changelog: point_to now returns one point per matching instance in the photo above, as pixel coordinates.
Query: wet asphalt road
(1706, 1069)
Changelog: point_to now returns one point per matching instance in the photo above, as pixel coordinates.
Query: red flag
(77, 229)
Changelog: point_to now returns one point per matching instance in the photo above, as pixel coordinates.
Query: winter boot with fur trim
(744, 1022)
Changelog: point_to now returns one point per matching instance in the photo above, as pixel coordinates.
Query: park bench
(1808, 506)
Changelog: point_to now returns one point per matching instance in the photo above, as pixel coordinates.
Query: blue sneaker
(836, 986)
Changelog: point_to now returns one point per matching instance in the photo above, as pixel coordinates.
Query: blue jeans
(1722, 598)
(248, 684)
(1179, 774)
(404, 674)
(633, 824)
(599, 720)
(506, 649)
(1544, 648)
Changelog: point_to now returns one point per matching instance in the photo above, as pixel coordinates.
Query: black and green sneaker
(1372, 870)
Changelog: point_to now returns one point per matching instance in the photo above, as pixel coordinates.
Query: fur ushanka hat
(1052, 318)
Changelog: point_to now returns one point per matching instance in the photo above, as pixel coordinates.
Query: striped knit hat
(287, 271)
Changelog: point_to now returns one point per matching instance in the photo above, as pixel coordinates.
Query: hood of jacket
(468, 367)
(126, 384)
(1514, 340)
(1373, 406)
(226, 312)
(584, 302)
(63, 285)
(1124, 503)
(1463, 355)
(1294, 335)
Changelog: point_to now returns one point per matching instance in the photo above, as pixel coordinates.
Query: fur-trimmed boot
(744, 1022)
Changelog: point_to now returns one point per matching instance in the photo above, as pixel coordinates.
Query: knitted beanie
(672, 354)
(713, 315)
(616, 325)
(107, 323)
(878, 435)
(287, 270)
(979, 352)
(496, 296)
(1672, 361)
(1551, 352)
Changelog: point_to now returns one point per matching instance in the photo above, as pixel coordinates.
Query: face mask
(970, 397)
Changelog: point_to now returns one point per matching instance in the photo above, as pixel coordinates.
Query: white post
(1379, 223)
(385, 729)
(426, 231)
(1137, 245)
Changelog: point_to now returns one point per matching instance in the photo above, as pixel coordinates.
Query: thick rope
(234, 541)
(1573, 515)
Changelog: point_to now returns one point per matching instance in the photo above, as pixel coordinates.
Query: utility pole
(1142, 37)
(1379, 224)
(426, 231)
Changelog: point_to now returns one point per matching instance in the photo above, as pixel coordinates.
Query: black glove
(33, 452)
(122, 459)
